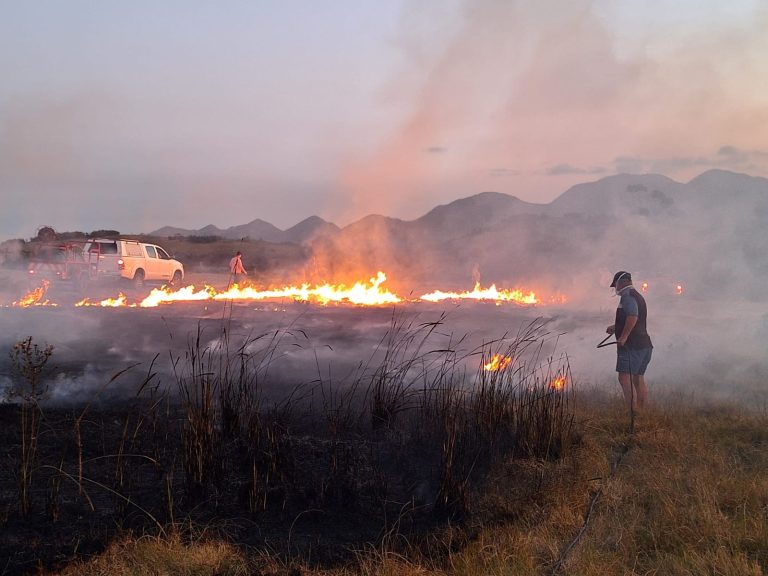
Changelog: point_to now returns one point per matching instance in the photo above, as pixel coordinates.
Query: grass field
(519, 479)
(687, 494)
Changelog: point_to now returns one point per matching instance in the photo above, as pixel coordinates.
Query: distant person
(633, 344)
(236, 268)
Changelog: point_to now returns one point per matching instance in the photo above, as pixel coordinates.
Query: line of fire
(361, 293)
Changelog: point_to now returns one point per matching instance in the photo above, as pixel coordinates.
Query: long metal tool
(603, 343)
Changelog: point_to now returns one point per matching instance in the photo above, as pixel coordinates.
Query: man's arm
(628, 326)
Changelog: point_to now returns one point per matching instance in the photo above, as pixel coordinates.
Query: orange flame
(558, 384)
(498, 362)
(34, 297)
(121, 300)
(361, 293)
(164, 295)
(479, 293)
(370, 294)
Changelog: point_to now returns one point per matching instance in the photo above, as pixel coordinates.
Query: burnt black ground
(329, 497)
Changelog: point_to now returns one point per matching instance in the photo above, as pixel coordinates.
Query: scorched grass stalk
(28, 361)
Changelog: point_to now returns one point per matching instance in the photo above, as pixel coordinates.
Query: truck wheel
(138, 279)
(82, 282)
(177, 278)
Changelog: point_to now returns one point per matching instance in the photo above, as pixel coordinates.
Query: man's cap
(620, 275)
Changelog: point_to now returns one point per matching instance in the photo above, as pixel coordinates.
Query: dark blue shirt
(633, 304)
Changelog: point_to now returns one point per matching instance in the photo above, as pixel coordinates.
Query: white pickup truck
(135, 261)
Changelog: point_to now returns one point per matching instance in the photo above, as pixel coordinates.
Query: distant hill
(486, 209)
(621, 195)
(256, 230)
(174, 231)
(310, 228)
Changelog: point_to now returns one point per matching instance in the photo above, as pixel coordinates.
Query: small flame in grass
(558, 384)
(479, 293)
(34, 297)
(121, 300)
(498, 362)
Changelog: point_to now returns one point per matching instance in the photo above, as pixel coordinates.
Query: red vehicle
(64, 260)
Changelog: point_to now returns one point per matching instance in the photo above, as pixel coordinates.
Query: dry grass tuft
(150, 556)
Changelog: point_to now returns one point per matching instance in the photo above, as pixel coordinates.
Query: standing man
(236, 268)
(634, 346)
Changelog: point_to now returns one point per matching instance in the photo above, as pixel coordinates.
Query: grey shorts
(633, 360)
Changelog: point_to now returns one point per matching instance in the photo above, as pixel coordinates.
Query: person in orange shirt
(236, 268)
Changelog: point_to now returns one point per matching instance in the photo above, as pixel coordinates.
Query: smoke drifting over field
(697, 357)
(706, 236)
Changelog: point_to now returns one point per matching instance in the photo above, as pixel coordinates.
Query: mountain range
(709, 233)
(258, 230)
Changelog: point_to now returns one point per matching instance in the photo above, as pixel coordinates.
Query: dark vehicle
(63, 260)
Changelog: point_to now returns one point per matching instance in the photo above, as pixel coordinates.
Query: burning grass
(35, 297)
(361, 293)
(479, 293)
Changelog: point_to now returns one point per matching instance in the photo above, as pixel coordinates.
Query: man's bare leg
(626, 387)
(641, 392)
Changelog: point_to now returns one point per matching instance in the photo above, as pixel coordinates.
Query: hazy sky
(133, 115)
